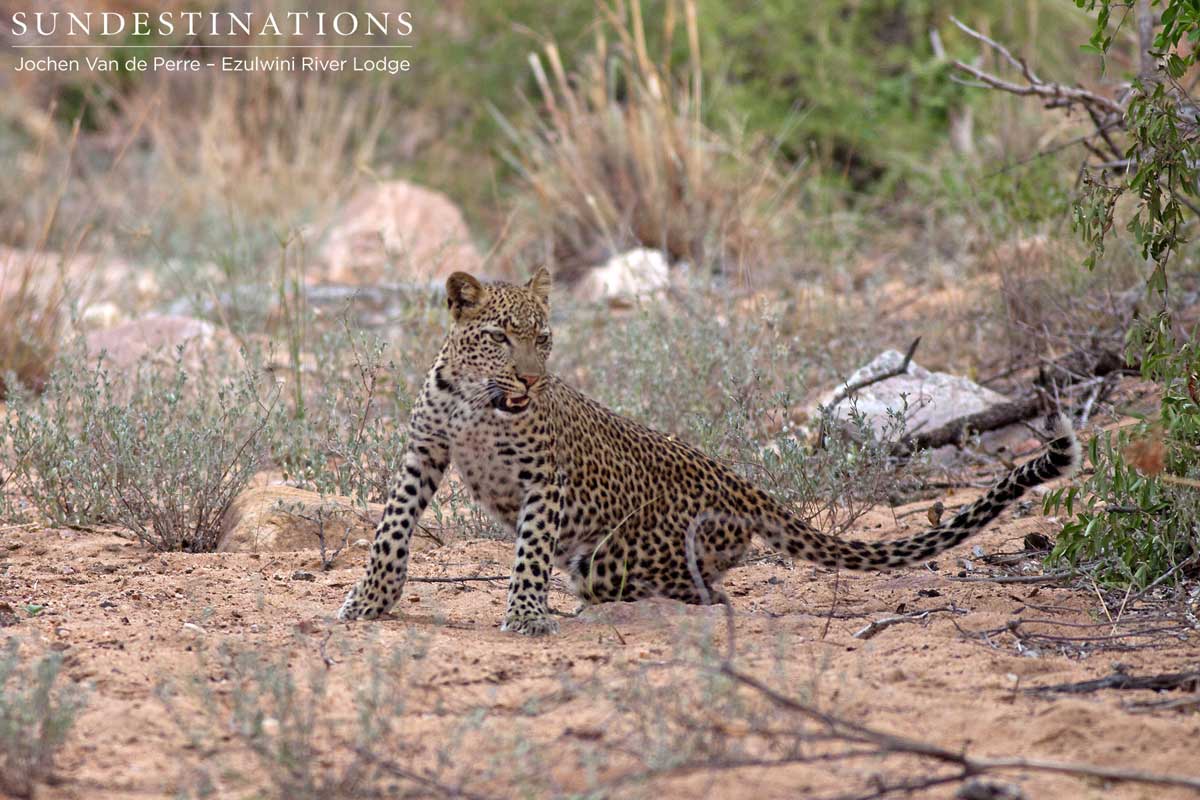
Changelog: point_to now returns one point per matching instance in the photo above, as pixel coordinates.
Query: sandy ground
(622, 689)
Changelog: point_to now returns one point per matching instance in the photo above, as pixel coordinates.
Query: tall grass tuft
(35, 718)
(34, 294)
(622, 158)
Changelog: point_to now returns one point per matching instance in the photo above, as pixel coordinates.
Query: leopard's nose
(529, 380)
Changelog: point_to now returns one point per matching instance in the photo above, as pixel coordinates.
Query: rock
(101, 316)
(282, 518)
(395, 231)
(301, 575)
(86, 278)
(933, 398)
(157, 338)
(631, 274)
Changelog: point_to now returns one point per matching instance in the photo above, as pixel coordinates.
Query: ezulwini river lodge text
(295, 63)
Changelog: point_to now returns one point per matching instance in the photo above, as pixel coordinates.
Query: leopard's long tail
(801, 540)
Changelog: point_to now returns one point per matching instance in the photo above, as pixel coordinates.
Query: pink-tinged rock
(272, 519)
(394, 232)
(157, 339)
(927, 399)
(83, 278)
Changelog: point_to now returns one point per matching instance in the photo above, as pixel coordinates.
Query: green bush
(161, 452)
(347, 431)
(1135, 515)
(35, 718)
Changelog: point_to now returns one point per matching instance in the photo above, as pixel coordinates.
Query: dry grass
(195, 168)
(34, 297)
(30, 321)
(622, 158)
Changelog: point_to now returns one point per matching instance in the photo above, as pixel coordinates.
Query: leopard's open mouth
(510, 405)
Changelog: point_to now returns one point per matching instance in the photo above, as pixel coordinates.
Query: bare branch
(914, 616)
(1055, 94)
(900, 369)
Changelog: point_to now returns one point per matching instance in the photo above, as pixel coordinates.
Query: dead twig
(849, 389)
(1165, 705)
(901, 368)
(1055, 95)
(968, 767)
(913, 616)
(1047, 578)
(1120, 680)
(460, 579)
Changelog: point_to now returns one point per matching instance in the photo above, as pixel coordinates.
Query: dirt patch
(129, 621)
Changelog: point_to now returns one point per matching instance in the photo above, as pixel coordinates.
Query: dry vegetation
(217, 675)
(624, 159)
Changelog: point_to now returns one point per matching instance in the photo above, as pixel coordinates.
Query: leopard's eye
(543, 340)
(499, 337)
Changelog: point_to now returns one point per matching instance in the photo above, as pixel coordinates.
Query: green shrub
(1135, 515)
(347, 431)
(162, 452)
(286, 731)
(35, 718)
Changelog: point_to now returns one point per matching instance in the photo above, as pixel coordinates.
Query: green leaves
(1136, 513)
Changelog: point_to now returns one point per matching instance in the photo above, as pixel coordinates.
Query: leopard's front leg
(425, 462)
(528, 611)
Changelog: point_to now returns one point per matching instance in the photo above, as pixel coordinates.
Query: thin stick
(915, 616)
(462, 579)
(851, 388)
(1050, 578)
(1034, 86)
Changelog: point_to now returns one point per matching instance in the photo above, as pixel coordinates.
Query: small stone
(301, 575)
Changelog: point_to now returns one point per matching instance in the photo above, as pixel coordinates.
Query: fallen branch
(852, 733)
(1050, 577)
(913, 616)
(1119, 680)
(1078, 366)
(1165, 705)
(968, 767)
(460, 579)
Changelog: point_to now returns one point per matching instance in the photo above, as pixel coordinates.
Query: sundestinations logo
(331, 40)
(318, 24)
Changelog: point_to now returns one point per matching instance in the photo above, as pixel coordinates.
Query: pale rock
(101, 316)
(933, 398)
(157, 339)
(632, 274)
(395, 231)
(282, 518)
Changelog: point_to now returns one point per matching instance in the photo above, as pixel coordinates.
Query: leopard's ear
(464, 295)
(540, 285)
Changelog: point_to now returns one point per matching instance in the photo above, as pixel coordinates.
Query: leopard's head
(501, 337)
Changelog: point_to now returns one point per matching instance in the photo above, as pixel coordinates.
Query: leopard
(623, 511)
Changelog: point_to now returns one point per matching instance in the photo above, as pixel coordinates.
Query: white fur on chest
(476, 451)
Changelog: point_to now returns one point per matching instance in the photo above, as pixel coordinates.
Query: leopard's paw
(355, 606)
(531, 626)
